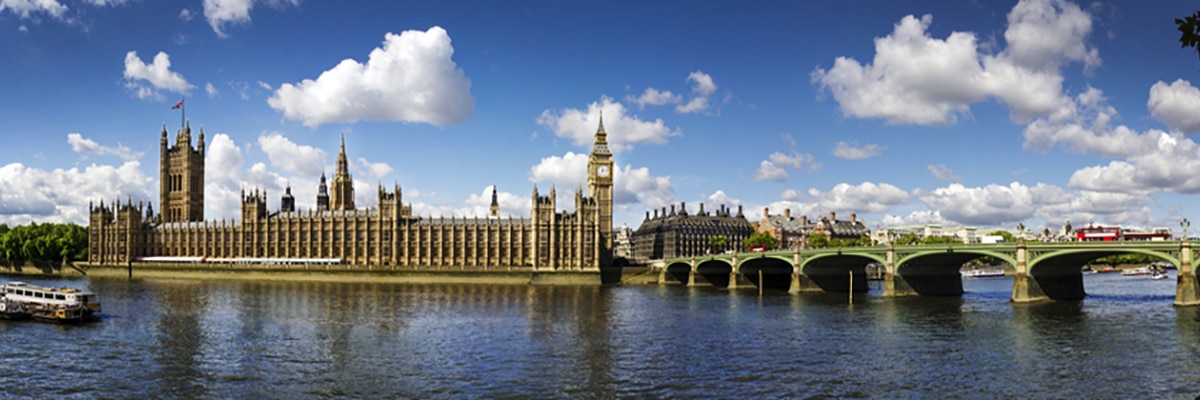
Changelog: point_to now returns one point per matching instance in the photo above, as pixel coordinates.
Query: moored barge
(21, 300)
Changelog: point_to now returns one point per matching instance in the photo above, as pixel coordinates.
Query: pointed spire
(601, 135)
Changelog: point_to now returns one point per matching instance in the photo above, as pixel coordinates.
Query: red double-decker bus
(1098, 233)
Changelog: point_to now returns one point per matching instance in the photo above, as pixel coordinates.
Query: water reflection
(309, 339)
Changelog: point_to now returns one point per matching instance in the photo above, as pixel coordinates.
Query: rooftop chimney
(787, 214)
(853, 218)
(832, 216)
(766, 212)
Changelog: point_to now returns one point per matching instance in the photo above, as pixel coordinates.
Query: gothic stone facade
(384, 235)
(682, 235)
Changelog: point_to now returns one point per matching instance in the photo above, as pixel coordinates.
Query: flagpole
(182, 112)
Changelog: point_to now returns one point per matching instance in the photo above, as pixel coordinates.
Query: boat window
(60, 297)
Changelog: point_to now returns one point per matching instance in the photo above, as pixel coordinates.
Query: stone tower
(600, 188)
(181, 177)
(495, 207)
(322, 195)
(343, 185)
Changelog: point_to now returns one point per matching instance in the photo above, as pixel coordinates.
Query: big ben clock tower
(600, 187)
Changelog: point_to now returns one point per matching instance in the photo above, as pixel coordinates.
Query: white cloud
(157, 75)
(633, 186)
(654, 97)
(851, 151)
(917, 79)
(1168, 166)
(412, 78)
(29, 8)
(79, 144)
(866, 197)
(376, 170)
(624, 131)
(1082, 125)
(987, 205)
(283, 153)
(1176, 105)
(212, 90)
(702, 88)
(775, 167)
(1043, 34)
(570, 170)
(62, 196)
(479, 205)
(222, 12)
(185, 15)
(914, 218)
(943, 173)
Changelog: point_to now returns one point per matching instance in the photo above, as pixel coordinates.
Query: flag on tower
(177, 105)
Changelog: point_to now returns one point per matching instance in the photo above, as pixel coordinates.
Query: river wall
(326, 273)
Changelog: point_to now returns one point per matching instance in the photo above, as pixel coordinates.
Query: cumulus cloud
(378, 170)
(185, 15)
(283, 153)
(82, 145)
(1168, 166)
(996, 204)
(917, 79)
(479, 205)
(570, 170)
(211, 90)
(411, 78)
(654, 97)
(624, 130)
(943, 173)
(146, 80)
(702, 88)
(633, 186)
(914, 218)
(1082, 125)
(62, 195)
(1176, 105)
(866, 197)
(222, 12)
(27, 9)
(851, 151)
(775, 167)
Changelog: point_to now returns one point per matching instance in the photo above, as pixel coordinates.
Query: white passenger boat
(54, 304)
(983, 273)
(1136, 271)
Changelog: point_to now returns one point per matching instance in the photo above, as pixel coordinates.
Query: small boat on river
(1136, 271)
(983, 273)
(19, 300)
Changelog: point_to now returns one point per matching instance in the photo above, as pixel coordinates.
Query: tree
(761, 238)
(818, 240)
(1189, 31)
(717, 243)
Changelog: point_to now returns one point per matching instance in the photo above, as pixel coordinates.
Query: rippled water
(220, 339)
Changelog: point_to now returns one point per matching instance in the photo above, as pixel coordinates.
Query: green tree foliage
(717, 243)
(940, 240)
(1189, 31)
(43, 242)
(1123, 259)
(760, 238)
(818, 240)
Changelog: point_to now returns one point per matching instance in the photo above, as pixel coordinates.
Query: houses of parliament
(386, 235)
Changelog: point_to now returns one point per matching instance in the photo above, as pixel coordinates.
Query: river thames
(231, 339)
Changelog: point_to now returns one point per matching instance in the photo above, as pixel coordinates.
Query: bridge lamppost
(1184, 224)
(1021, 231)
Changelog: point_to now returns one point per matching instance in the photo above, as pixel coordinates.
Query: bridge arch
(936, 271)
(679, 271)
(831, 271)
(1059, 275)
(715, 271)
(774, 269)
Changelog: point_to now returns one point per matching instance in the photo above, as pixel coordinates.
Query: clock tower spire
(600, 188)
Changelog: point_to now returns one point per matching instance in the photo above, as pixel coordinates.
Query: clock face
(602, 170)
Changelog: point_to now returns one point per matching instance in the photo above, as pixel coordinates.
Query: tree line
(48, 241)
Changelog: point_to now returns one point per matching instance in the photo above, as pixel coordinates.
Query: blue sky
(977, 113)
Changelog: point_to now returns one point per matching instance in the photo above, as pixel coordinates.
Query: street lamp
(1184, 224)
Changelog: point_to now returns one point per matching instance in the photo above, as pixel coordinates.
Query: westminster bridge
(1044, 271)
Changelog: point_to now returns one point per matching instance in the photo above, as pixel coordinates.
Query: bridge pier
(895, 286)
(1186, 285)
(1025, 287)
